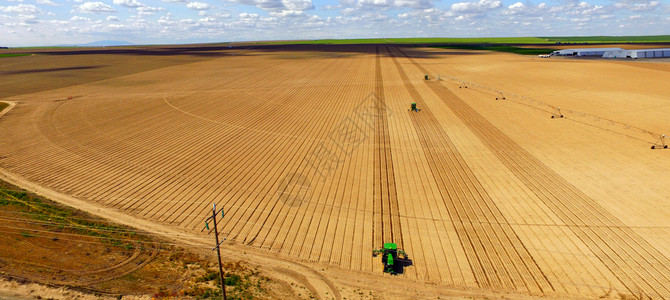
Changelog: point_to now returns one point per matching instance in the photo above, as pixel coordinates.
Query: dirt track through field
(387, 220)
(632, 259)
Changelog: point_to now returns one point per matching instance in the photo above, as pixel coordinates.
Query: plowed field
(314, 156)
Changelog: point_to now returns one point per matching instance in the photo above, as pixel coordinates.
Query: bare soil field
(316, 159)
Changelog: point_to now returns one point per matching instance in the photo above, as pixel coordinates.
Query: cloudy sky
(52, 22)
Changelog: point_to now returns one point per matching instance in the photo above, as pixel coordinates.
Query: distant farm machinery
(660, 144)
(557, 115)
(394, 259)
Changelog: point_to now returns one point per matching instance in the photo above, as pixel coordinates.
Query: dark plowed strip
(498, 258)
(386, 215)
(635, 262)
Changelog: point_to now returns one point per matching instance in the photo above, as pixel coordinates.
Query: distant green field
(501, 48)
(504, 40)
(13, 54)
(610, 39)
(484, 40)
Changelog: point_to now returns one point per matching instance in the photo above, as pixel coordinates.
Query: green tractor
(393, 263)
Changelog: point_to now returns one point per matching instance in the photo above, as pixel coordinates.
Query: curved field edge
(105, 259)
(304, 280)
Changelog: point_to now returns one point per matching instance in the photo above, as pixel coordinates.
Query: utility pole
(218, 252)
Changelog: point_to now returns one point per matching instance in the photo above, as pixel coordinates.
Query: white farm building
(584, 52)
(648, 53)
(614, 52)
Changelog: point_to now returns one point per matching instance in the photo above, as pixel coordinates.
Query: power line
(218, 251)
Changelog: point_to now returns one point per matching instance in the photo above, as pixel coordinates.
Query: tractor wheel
(653, 147)
(665, 147)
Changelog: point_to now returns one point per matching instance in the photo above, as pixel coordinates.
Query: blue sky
(51, 22)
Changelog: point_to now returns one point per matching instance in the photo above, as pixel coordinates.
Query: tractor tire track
(386, 215)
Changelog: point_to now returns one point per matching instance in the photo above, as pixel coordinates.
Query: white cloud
(288, 13)
(198, 5)
(350, 6)
(479, 7)
(166, 20)
(128, 3)
(297, 4)
(331, 7)
(27, 19)
(517, 5)
(383, 3)
(148, 10)
(222, 14)
(187, 22)
(248, 16)
(522, 9)
(46, 2)
(117, 26)
(638, 7)
(93, 8)
(79, 19)
(21, 9)
(413, 3)
(290, 19)
(585, 8)
(279, 4)
(264, 4)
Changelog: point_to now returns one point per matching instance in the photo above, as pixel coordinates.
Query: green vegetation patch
(482, 40)
(610, 39)
(14, 54)
(501, 48)
(489, 40)
(3, 105)
(36, 229)
(241, 283)
(61, 217)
